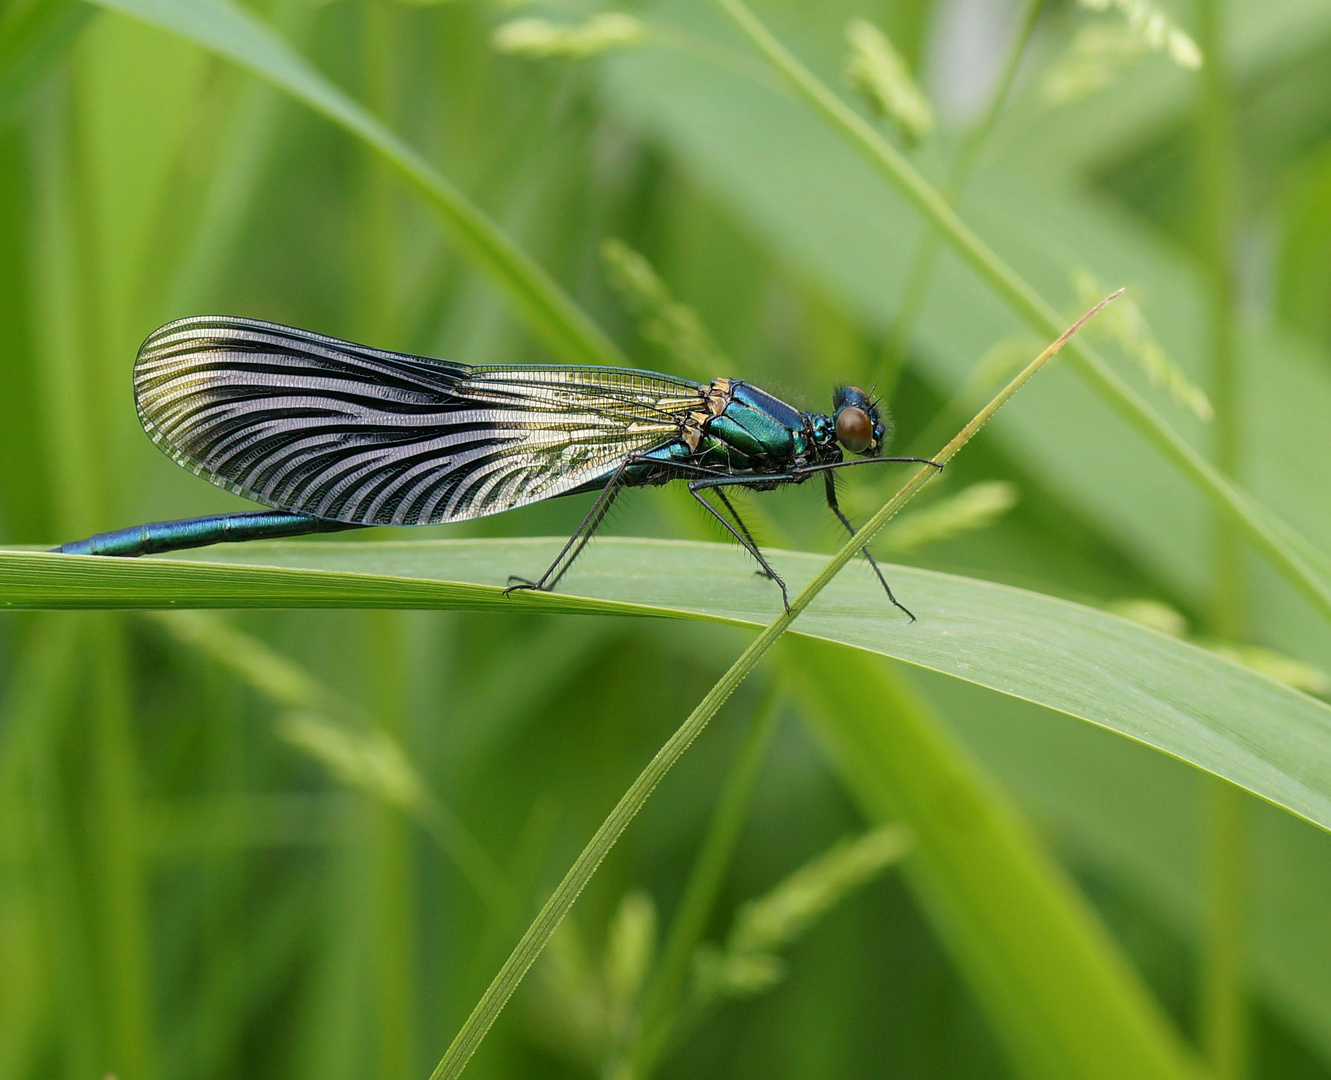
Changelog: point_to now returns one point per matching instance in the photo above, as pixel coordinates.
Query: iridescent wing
(340, 431)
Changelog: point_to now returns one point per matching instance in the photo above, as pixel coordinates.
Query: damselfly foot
(521, 584)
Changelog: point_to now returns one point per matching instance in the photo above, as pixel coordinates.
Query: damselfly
(334, 435)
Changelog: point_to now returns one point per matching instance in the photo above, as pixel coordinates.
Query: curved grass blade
(232, 33)
(1139, 1031)
(1178, 698)
(1257, 524)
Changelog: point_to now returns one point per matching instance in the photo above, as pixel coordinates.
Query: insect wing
(325, 427)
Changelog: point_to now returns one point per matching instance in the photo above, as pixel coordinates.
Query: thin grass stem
(922, 266)
(1254, 520)
(561, 901)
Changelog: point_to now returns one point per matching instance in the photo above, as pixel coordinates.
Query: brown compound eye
(854, 429)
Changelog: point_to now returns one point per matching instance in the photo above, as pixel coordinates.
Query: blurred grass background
(213, 860)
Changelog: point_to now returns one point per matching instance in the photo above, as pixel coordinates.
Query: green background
(193, 884)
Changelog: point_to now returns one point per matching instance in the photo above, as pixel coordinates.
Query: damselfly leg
(573, 548)
(702, 479)
(832, 466)
(706, 479)
(739, 530)
(829, 478)
(730, 508)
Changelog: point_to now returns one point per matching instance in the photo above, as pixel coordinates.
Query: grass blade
(570, 888)
(1254, 521)
(1184, 700)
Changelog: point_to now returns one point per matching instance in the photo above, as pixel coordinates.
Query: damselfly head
(859, 427)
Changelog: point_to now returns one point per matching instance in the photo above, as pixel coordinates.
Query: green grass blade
(1117, 674)
(1254, 521)
(561, 901)
(1058, 993)
(234, 34)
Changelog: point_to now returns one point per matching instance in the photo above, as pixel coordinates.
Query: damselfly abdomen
(334, 435)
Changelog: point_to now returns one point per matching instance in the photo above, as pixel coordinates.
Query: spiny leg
(590, 523)
(834, 466)
(573, 548)
(741, 534)
(730, 507)
(830, 480)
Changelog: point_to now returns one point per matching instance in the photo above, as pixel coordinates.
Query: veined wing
(325, 427)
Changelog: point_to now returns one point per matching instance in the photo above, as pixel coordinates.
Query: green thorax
(756, 430)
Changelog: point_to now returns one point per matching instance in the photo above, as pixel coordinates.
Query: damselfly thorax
(333, 435)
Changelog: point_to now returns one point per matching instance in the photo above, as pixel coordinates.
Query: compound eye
(854, 429)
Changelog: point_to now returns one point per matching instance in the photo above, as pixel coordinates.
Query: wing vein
(326, 427)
